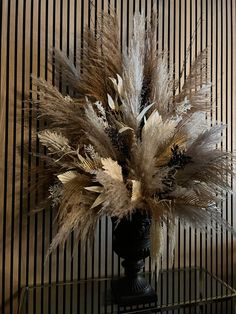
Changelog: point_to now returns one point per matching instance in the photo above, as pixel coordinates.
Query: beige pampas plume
(100, 59)
(128, 139)
(197, 87)
(162, 86)
(55, 142)
(157, 246)
(133, 71)
(155, 132)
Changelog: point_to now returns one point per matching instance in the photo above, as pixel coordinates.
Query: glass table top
(175, 289)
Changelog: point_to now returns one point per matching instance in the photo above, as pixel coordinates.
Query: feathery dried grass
(99, 59)
(128, 140)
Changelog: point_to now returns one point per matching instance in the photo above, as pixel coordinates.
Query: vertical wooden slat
(21, 57)
(13, 265)
(233, 134)
(4, 144)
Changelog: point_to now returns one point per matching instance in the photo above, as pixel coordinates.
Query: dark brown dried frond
(212, 169)
(99, 59)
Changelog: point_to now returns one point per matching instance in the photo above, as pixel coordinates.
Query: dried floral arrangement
(130, 138)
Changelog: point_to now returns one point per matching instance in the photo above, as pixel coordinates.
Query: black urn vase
(131, 241)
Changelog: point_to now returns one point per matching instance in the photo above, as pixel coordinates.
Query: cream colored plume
(133, 68)
(162, 86)
(157, 243)
(154, 134)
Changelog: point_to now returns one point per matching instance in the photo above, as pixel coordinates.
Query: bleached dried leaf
(99, 200)
(114, 82)
(96, 189)
(136, 190)
(125, 128)
(119, 84)
(111, 102)
(67, 176)
(143, 112)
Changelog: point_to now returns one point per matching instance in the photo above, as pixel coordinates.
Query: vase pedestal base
(132, 291)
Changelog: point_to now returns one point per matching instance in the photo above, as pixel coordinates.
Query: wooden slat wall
(28, 29)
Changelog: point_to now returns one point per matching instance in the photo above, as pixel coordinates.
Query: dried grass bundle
(125, 142)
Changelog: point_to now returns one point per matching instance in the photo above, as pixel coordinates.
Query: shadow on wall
(33, 270)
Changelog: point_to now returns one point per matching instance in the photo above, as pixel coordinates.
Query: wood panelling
(28, 30)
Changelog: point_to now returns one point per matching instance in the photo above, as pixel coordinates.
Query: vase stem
(131, 241)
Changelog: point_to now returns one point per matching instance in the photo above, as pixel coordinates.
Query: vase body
(131, 241)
